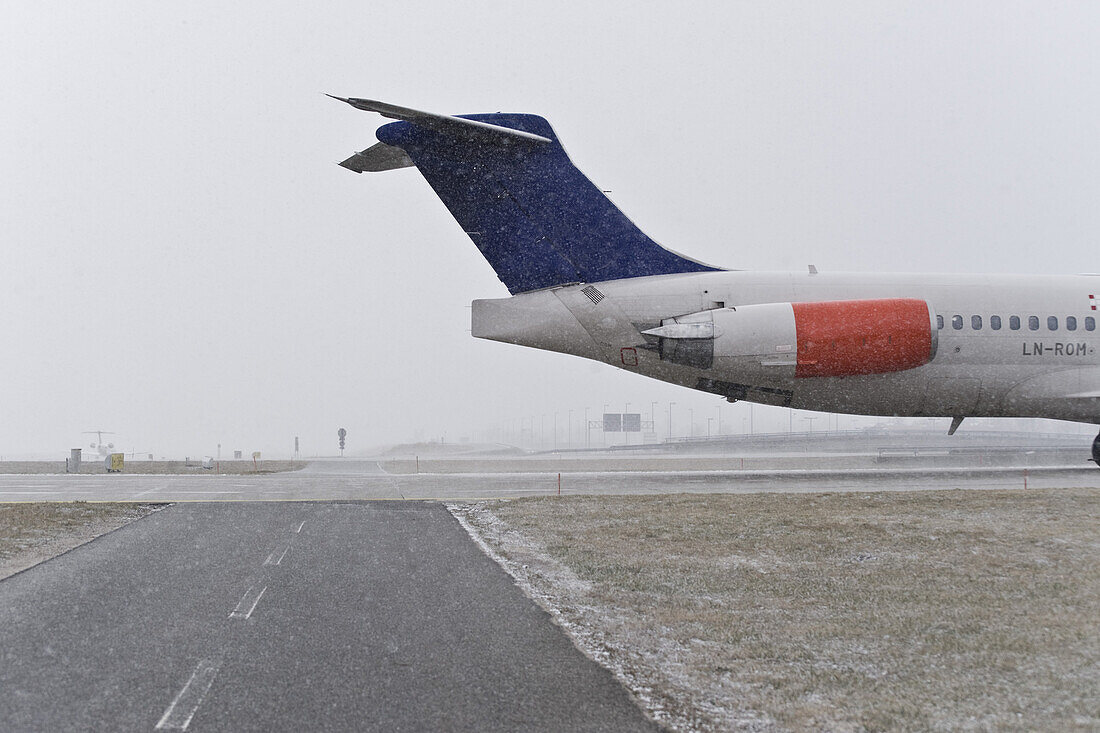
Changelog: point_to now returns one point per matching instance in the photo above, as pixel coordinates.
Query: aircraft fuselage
(1004, 345)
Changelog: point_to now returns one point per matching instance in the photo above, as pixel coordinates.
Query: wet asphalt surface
(376, 616)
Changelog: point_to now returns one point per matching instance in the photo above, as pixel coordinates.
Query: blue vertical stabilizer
(536, 218)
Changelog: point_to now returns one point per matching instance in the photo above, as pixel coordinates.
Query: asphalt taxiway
(291, 616)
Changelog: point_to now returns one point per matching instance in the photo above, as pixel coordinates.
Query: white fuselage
(1049, 371)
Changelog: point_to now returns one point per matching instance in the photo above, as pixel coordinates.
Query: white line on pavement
(299, 530)
(272, 560)
(249, 601)
(179, 713)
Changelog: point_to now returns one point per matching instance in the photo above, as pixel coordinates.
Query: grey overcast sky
(184, 263)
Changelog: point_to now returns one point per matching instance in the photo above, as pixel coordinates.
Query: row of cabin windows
(1014, 323)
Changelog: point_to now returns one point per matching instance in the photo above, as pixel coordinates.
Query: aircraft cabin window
(1071, 323)
(939, 322)
(976, 323)
(1090, 323)
(1033, 323)
(995, 323)
(1014, 323)
(1052, 323)
(957, 322)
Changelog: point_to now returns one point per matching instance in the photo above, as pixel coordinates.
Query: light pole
(709, 421)
(670, 404)
(718, 409)
(752, 427)
(653, 418)
(691, 421)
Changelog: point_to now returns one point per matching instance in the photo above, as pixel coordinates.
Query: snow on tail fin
(509, 183)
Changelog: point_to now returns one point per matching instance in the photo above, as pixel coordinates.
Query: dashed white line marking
(249, 601)
(299, 530)
(179, 713)
(273, 560)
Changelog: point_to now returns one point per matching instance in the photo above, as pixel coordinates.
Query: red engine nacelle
(845, 338)
(839, 338)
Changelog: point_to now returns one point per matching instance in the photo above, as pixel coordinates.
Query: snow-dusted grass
(887, 611)
(31, 532)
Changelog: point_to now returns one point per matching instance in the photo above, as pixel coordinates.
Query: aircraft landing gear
(1096, 450)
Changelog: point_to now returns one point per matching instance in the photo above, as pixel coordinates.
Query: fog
(185, 265)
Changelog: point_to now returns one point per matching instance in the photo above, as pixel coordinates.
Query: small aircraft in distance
(102, 449)
(586, 281)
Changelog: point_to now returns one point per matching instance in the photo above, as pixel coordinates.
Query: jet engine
(841, 338)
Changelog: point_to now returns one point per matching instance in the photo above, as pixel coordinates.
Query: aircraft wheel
(1096, 450)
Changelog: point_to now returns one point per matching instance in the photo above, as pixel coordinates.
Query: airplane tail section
(509, 183)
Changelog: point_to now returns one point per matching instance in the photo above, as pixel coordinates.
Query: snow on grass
(31, 532)
(903, 611)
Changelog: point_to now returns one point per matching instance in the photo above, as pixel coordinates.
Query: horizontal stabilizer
(380, 157)
(442, 123)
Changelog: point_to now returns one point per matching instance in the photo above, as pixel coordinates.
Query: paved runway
(365, 480)
(290, 616)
